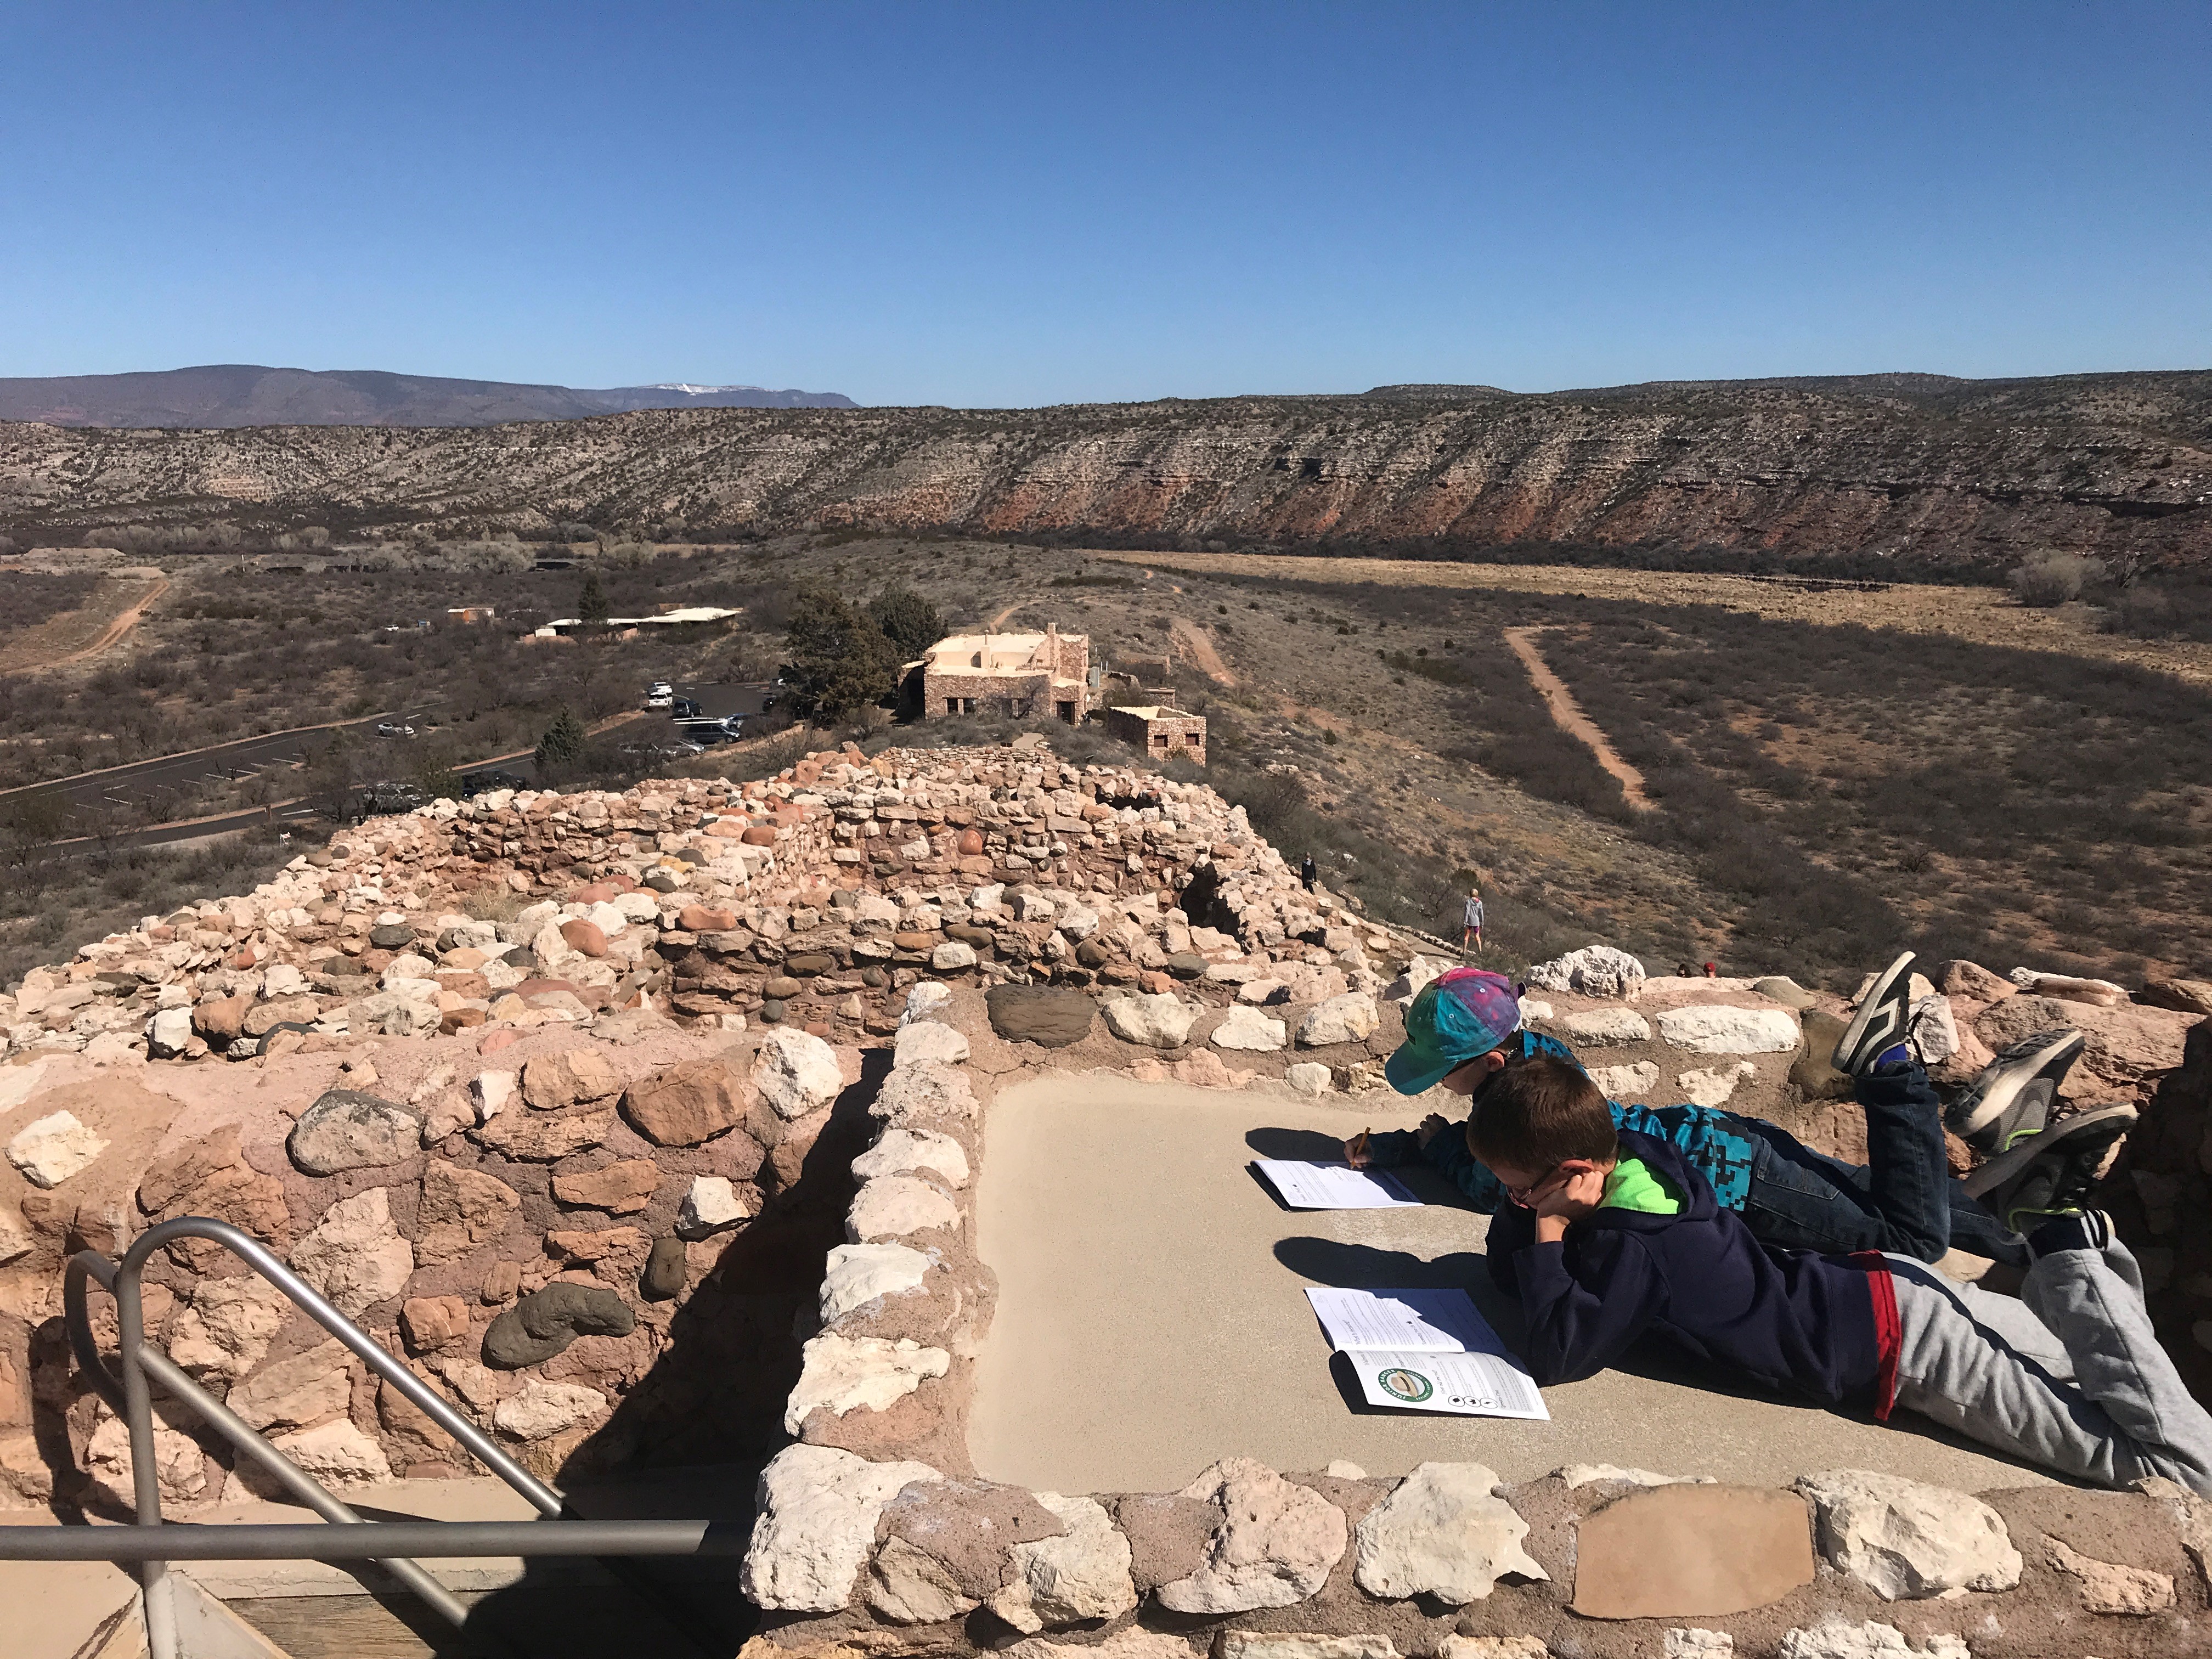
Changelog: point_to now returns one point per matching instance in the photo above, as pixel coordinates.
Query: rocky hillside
(2117, 465)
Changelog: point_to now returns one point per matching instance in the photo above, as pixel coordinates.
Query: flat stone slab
(1692, 1552)
(1146, 1276)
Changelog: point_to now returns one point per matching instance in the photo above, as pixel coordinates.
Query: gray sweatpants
(2070, 1376)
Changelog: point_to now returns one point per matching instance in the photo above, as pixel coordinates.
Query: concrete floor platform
(1152, 1319)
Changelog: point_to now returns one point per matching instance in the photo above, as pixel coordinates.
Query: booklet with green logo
(1427, 1351)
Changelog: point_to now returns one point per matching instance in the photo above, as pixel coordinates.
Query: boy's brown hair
(1538, 1113)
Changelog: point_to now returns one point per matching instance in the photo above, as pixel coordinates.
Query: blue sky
(1045, 203)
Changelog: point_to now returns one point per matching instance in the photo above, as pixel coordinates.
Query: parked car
(711, 731)
(660, 700)
(675, 749)
(393, 729)
(685, 709)
(483, 782)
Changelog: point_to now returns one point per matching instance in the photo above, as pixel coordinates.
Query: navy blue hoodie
(1818, 1325)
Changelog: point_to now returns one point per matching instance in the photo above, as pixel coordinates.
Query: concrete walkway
(1151, 1317)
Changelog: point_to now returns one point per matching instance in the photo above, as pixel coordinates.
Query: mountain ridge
(229, 395)
(1984, 472)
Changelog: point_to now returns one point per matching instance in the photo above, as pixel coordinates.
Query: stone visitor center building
(1015, 675)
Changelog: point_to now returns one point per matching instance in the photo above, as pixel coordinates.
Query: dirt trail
(1569, 716)
(999, 621)
(1193, 639)
(121, 623)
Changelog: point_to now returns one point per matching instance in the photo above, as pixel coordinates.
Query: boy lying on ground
(1464, 1029)
(1612, 1235)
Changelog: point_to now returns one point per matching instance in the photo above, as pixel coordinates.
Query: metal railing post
(145, 1474)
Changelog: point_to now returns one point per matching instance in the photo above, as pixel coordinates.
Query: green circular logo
(1409, 1386)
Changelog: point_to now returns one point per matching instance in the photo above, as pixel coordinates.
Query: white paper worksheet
(1410, 1322)
(1305, 1186)
(1466, 1384)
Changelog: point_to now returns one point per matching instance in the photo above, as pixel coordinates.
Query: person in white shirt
(1471, 923)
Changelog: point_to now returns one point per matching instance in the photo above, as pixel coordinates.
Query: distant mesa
(248, 394)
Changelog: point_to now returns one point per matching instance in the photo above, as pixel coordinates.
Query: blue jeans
(1903, 1200)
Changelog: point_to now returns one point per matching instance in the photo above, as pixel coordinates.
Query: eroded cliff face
(2103, 463)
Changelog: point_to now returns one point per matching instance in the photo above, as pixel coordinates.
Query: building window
(952, 705)
(1159, 740)
(1191, 738)
(1067, 712)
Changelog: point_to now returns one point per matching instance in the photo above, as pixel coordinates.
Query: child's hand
(1431, 1126)
(1570, 1197)
(1355, 1149)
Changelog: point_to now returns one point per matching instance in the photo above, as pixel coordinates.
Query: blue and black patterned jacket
(1712, 1142)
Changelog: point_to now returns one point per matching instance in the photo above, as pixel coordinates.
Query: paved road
(166, 778)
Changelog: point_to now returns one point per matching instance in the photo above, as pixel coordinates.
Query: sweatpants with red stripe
(2070, 1374)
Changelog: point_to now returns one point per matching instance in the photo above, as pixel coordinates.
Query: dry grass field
(1832, 773)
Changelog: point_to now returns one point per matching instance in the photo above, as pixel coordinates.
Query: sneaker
(2012, 1099)
(1885, 1012)
(2093, 1131)
(2055, 1172)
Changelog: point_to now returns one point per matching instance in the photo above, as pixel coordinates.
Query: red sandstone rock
(219, 1019)
(759, 836)
(971, 842)
(495, 1041)
(585, 936)
(621, 1188)
(698, 918)
(433, 1321)
(686, 1104)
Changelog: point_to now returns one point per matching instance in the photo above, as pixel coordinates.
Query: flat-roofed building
(1020, 676)
(1160, 732)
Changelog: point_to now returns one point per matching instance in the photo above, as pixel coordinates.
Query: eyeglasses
(1520, 1195)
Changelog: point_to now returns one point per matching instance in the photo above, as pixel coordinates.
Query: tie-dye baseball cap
(1461, 1013)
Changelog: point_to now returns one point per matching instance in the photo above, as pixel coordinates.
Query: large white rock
(817, 1508)
(1410, 984)
(858, 1373)
(1596, 971)
(1629, 1083)
(1309, 1077)
(890, 1206)
(1870, 1640)
(1248, 1029)
(923, 1001)
(711, 1206)
(858, 1273)
(1314, 1644)
(543, 1410)
(490, 1092)
(1907, 1542)
(1695, 1644)
(1584, 1475)
(1158, 1021)
(1713, 1087)
(797, 1074)
(1720, 1030)
(168, 1032)
(1273, 1545)
(903, 1150)
(1078, 922)
(952, 956)
(1347, 1018)
(928, 1040)
(180, 1465)
(1443, 1532)
(924, 1091)
(356, 1255)
(336, 1453)
(1933, 1032)
(1600, 1025)
(1083, 1575)
(54, 1148)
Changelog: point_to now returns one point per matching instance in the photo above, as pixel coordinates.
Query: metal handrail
(152, 1543)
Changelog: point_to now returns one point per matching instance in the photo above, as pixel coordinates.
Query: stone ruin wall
(689, 1134)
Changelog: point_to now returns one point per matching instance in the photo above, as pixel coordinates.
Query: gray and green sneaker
(2054, 1173)
(2013, 1098)
(1876, 1035)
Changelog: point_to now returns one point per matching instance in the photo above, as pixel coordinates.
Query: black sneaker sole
(2053, 1059)
(1883, 1019)
(2111, 1121)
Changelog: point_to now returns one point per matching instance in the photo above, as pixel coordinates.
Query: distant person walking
(1470, 927)
(1307, 873)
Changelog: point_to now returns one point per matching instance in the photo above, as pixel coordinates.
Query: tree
(909, 622)
(592, 603)
(562, 746)
(839, 659)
